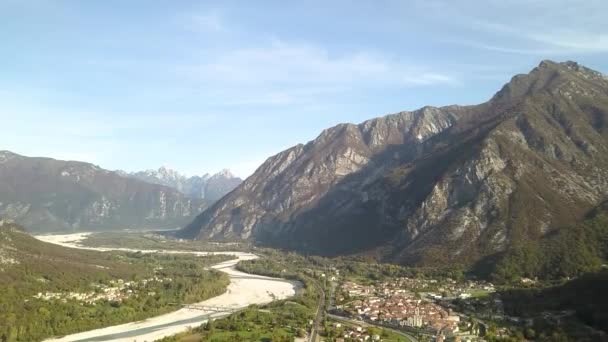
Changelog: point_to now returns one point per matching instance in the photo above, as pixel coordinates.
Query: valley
(304, 171)
(244, 290)
(48, 195)
(50, 290)
(454, 185)
(271, 294)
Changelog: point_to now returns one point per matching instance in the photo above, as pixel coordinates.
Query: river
(244, 289)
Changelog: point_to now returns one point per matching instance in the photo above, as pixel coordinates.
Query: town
(116, 291)
(417, 305)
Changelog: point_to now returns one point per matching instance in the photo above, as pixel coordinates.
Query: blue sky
(205, 85)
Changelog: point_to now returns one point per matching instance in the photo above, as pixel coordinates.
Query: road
(365, 324)
(316, 326)
(314, 332)
(332, 290)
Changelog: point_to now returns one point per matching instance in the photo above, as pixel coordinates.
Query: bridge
(208, 308)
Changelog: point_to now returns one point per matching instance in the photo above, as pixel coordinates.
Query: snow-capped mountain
(50, 195)
(208, 187)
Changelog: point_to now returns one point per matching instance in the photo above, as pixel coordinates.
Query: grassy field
(479, 293)
(148, 240)
(279, 321)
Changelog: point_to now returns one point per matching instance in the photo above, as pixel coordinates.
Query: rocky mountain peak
(224, 173)
(298, 178)
(435, 184)
(570, 66)
(552, 78)
(206, 187)
(165, 170)
(7, 155)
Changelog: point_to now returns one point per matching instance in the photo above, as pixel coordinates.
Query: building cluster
(354, 333)
(433, 288)
(390, 303)
(117, 291)
(451, 289)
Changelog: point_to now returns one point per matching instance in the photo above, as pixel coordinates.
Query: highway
(365, 324)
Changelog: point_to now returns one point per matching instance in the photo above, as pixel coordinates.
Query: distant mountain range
(207, 187)
(45, 194)
(435, 185)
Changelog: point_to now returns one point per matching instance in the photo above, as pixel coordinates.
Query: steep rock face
(295, 180)
(543, 166)
(218, 185)
(438, 184)
(44, 194)
(207, 187)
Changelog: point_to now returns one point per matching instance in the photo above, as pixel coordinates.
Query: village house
(389, 303)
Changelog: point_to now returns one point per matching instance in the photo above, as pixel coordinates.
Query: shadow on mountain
(353, 216)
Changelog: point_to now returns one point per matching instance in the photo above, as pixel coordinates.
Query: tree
(530, 333)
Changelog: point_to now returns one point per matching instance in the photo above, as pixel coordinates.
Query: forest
(581, 303)
(159, 240)
(279, 321)
(570, 252)
(41, 285)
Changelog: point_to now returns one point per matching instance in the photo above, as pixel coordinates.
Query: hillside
(451, 184)
(45, 194)
(580, 300)
(22, 256)
(49, 290)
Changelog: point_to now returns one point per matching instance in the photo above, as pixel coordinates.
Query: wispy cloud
(519, 50)
(545, 44)
(106, 139)
(428, 78)
(287, 71)
(81, 124)
(557, 27)
(283, 62)
(573, 41)
(142, 80)
(209, 21)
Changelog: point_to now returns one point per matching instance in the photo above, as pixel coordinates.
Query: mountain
(435, 185)
(208, 187)
(45, 194)
(569, 252)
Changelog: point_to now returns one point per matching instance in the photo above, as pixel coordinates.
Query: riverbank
(244, 290)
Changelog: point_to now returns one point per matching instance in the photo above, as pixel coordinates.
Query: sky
(204, 85)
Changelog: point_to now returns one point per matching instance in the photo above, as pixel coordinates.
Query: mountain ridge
(45, 194)
(207, 187)
(433, 184)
